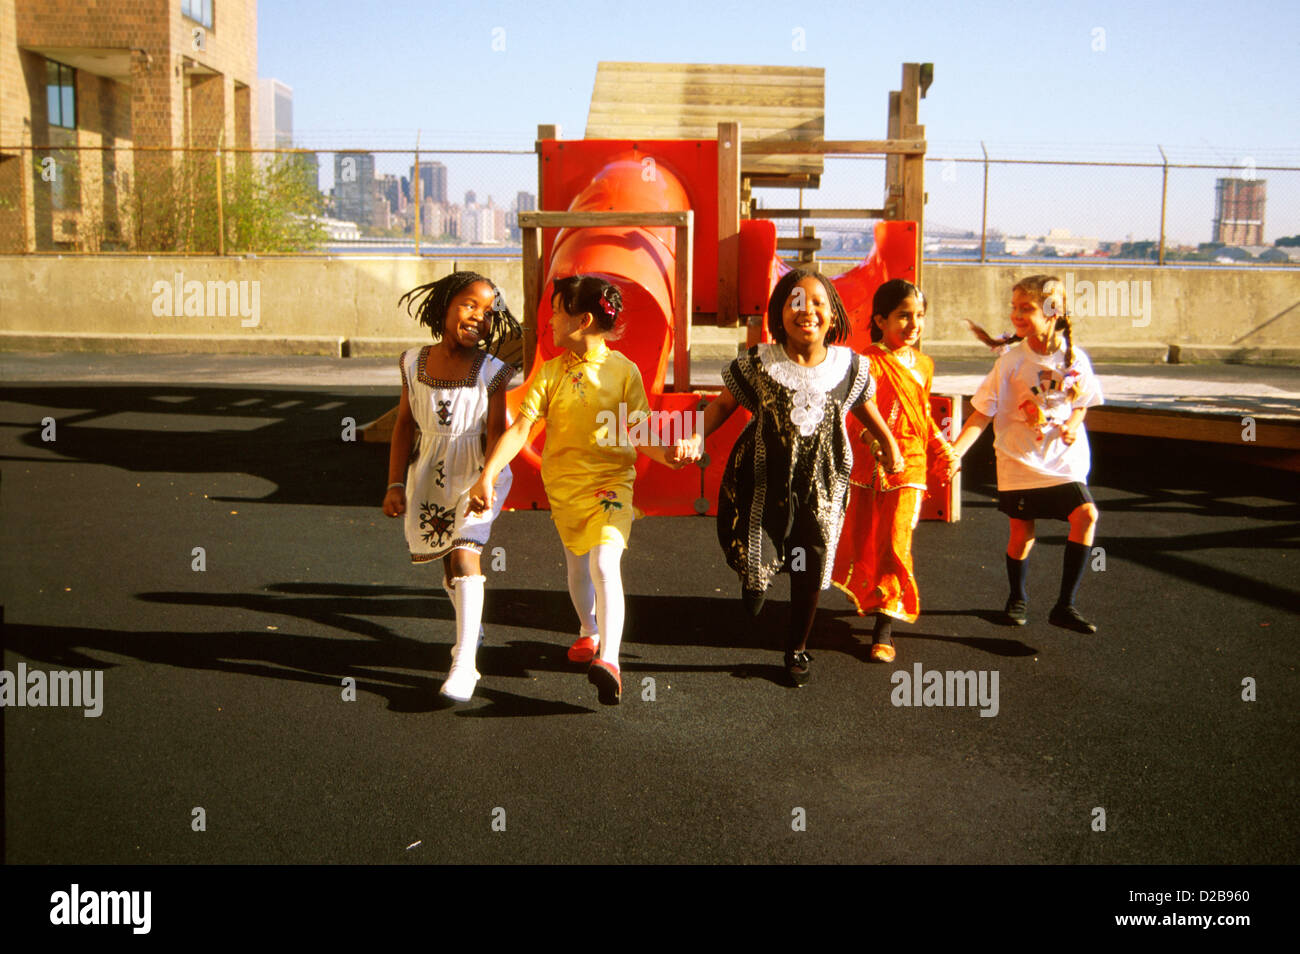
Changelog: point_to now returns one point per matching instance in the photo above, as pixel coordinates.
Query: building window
(61, 101)
(200, 11)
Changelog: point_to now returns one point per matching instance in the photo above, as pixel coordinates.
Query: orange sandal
(583, 650)
(881, 652)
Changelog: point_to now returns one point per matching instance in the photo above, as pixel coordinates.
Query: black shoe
(796, 667)
(1016, 613)
(1067, 617)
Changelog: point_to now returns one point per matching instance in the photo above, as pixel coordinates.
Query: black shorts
(1044, 503)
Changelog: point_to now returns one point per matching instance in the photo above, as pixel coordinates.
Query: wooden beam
(818, 214)
(914, 193)
(788, 147)
(543, 132)
(530, 239)
(893, 164)
(684, 254)
(728, 224)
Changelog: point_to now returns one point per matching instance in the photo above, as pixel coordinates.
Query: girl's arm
(496, 418)
(1070, 429)
(975, 425)
(510, 443)
(715, 415)
(869, 415)
(399, 452)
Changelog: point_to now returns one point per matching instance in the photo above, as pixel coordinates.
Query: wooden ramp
(688, 100)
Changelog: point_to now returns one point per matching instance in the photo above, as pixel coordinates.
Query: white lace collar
(807, 384)
(821, 377)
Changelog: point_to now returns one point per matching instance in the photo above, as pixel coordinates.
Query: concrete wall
(303, 304)
(309, 304)
(1210, 313)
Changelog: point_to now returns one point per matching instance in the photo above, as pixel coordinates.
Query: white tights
(596, 588)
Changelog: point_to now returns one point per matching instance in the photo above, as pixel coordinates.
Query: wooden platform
(688, 100)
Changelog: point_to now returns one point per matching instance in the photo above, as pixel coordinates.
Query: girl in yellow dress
(588, 467)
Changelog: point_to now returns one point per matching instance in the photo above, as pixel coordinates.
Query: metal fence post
(1164, 196)
(984, 215)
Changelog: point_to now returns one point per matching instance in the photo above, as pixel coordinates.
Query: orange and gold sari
(873, 563)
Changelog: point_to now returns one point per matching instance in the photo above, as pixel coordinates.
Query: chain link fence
(1172, 210)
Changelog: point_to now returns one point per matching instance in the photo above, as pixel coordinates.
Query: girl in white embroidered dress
(453, 392)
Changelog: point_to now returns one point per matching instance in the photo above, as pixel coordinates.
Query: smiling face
(1028, 319)
(903, 326)
(467, 316)
(806, 316)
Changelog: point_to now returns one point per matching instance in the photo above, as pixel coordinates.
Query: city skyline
(1095, 81)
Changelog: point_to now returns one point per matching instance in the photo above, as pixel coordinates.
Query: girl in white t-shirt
(1036, 396)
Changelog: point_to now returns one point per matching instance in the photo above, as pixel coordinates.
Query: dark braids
(431, 302)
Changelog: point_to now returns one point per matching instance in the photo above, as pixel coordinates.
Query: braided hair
(839, 330)
(431, 302)
(1048, 292)
(889, 296)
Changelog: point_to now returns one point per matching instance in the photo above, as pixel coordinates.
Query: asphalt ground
(223, 688)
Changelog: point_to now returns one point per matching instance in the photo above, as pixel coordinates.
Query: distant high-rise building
(274, 114)
(433, 181)
(470, 199)
(354, 187)
(1239, 211)
(525, 202)
(391, 188)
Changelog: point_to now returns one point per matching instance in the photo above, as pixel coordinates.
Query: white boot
(467, 596)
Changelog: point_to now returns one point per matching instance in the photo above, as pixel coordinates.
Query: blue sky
(1212, 82)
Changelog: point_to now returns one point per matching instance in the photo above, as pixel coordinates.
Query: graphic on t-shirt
(1034, 416)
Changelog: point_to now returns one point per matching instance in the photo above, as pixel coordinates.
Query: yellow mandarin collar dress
(588, 466)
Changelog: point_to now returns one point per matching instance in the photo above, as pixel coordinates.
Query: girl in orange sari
(874, 562)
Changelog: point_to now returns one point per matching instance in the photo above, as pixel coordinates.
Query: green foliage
(268, 204)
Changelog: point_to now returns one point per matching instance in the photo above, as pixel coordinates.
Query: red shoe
(583, 650)
(607, 681)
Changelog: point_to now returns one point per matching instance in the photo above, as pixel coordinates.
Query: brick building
(119, 74)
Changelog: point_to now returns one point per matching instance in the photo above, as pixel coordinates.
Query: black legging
(805, 584)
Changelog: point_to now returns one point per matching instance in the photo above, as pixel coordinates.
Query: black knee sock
(1076, 559)
(804, 593)
(884, 629)
(1017, 575)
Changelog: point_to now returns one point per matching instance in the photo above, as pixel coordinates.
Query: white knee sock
(603, 562)
(468, 598)
(582, 593)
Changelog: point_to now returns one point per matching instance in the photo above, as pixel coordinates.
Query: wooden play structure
(657, 199)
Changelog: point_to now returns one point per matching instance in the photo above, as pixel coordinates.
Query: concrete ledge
(1227, 354)
(1139, 352)
(327, 345)
(381, 347)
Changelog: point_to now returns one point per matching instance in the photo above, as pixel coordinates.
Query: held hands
(395, 501)
(482, 496)
(890, 457)
(687, 451)
(1070, 431)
